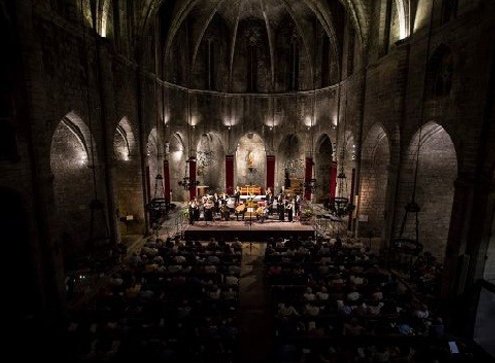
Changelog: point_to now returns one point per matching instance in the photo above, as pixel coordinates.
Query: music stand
(250, 211)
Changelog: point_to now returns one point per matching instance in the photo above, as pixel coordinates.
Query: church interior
(280, 181)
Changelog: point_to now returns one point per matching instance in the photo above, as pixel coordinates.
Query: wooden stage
(247, 231)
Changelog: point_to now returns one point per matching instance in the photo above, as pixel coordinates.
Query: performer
(237, 195)
(280, 210)
(224, 210)
(209, 210)
(297, 205)
(269, 196)
(193, 211)
(274, 205)
(289, 208)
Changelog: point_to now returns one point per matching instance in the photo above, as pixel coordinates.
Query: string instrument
(241, 208)
(260, 211)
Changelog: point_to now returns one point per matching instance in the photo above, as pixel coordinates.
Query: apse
(250, 160)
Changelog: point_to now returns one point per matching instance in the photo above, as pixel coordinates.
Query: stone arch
(375, 163)
(73, 164)
(436, 174)
(128, 184)
(124, 143)
(250, 153)
(323, 163)
(210, 155)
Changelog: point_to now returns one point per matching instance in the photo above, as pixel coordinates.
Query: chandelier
(186, 181)
(341, 204)
(158, 206)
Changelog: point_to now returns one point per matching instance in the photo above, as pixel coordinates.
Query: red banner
(333, 179)
(308, 174)
(192, 177)
(270, 172)
(229, 174)
(166, 176)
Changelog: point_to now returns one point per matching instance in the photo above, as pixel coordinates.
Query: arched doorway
(251, 160)
(72, 162)
(374, 182)
(437, 172)
(323, 161)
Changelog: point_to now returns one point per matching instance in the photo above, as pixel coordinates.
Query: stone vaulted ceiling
(270, 24)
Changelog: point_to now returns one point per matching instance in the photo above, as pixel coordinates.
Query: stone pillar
(107, 115)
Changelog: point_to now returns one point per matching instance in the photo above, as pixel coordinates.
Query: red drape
(148, 185)
(192, 177)
(333, 179)
(166, 176)
(229, 174)
(270, 172)
(308, 174)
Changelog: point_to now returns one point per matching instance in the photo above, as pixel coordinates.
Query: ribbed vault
(310, 19)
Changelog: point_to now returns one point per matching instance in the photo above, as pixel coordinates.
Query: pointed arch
(437, 172)
(124, 143)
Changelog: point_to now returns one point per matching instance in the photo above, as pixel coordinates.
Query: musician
(268, 195)
(225, 212)
(262, 213)
(209, 205)
(281, 211)
(297, 205)
(289, 207)
(193, 211)
(240, 210)
(237, 195)
(275, 205)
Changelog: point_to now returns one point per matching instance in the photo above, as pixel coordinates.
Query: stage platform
(246, 231)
